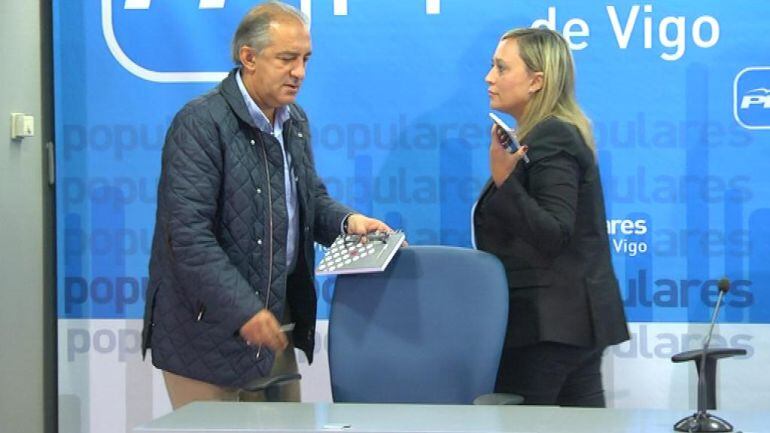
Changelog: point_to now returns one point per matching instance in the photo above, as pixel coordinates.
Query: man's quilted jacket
(219, 248)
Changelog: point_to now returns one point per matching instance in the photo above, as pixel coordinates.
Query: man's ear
(537, 82)
(247, 56)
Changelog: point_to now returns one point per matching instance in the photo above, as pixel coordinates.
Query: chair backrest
(429, 329)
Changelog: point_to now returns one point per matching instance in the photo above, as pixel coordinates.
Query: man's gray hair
(254, 29)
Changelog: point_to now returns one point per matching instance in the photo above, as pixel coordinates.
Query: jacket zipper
(270, 235)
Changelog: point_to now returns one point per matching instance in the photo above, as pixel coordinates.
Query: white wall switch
(22, 125)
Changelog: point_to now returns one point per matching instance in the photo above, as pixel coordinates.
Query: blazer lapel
(485, 190)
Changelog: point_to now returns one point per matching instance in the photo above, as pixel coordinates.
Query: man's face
(273, 76)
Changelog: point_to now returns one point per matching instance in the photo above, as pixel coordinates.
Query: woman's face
(511, 84)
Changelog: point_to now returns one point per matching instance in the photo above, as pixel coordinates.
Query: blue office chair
(429, 329)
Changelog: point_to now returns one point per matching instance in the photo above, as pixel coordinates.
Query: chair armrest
(498, 399)
(273, 381)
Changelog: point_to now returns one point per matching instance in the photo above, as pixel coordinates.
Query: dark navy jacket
(219, 248)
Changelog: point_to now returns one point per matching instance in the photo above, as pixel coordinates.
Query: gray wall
(27, 393)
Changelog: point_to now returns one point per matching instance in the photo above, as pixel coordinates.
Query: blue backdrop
(677, 91)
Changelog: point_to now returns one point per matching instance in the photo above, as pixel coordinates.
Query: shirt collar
(257, 115)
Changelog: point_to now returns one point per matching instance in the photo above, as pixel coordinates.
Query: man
(239, 206)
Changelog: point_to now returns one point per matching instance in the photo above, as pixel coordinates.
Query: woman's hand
(501, 162)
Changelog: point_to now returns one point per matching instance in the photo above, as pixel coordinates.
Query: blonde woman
(545, 220)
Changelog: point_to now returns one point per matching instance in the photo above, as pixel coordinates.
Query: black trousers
(549, 373)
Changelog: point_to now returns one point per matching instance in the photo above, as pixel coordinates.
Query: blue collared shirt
(290, 186)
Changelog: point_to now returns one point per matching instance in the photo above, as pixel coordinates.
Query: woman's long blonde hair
(544, 50)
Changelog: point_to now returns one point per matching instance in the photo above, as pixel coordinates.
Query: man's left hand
(361, 225)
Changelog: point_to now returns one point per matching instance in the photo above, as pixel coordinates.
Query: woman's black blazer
(547, 225)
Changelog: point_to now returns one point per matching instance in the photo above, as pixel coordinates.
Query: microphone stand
(702, 421)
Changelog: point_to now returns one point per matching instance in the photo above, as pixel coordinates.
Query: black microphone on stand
(702, 421)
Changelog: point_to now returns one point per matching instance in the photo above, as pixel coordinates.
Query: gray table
(397, 418)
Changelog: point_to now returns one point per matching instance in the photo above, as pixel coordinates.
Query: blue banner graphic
(678, 92)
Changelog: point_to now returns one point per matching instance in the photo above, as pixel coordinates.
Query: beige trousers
(183, 390)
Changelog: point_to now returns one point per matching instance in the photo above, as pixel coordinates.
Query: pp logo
(751, 97)
(146, 22)
(140, 37)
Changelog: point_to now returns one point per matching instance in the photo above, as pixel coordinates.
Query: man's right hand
(263, 328)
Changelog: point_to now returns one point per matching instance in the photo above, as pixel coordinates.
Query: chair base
(497, 399)
(703, 422)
